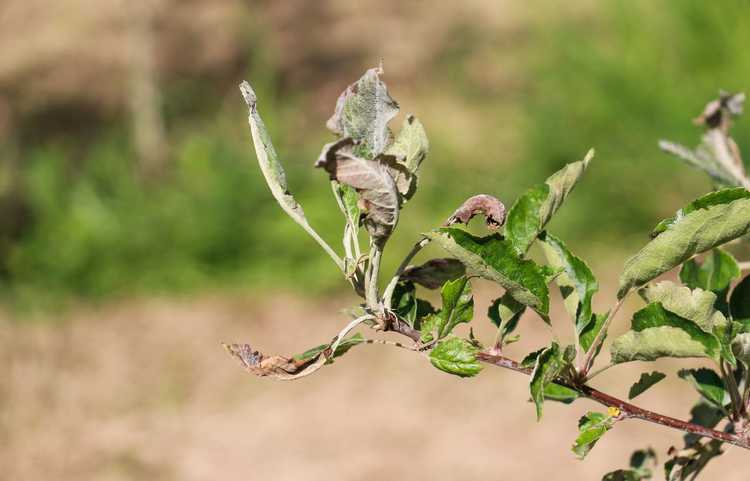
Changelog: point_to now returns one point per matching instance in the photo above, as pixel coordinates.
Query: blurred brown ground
(143, 390)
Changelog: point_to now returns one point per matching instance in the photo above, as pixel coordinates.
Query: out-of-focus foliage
(505, 103)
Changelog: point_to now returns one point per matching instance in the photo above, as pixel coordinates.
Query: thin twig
(628, 410)
(591, 353)
(388, 293)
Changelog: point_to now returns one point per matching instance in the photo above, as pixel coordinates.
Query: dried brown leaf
(487, 205)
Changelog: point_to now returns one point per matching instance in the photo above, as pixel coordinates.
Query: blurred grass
(502, 111)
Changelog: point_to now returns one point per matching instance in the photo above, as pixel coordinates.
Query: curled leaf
(379, 197)
(408, 150)
(694, 233)
(487, 205)
(363, 111)
(657, 333)
(267, 158)
(279, 367)
(434, 273)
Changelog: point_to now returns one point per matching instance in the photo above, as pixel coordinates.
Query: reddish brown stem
(628, 410)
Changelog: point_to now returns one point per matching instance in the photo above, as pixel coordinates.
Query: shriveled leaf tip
(487, 205)
(248, 94)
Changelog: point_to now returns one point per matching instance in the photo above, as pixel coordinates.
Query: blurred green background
(127, 167)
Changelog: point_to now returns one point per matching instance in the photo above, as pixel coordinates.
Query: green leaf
(714, 198)
(707, 383)
(577, 283)
(530, 359)
(524, 223)
(408, 307)
(492, 257)
(458, 306)
(531, 212)
(715, 273)
(350, 200)
(268, 161)
(641, 464)
(363, 111)
(434, 273)
(739, 302)
(589, 333)
(342, 348)
(549, 364)
(429, 327)
(703, 414)
(505, 312)
(644, 383)
(657, 333)
(591, 428)
(373, 182)
(559, 393)
(456, 356)
(694, 233)
(695, 305)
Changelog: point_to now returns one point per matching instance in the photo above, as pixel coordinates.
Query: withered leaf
(434, 273)
(278, 367)
(379, 197)
(487, 205)
(363, 111)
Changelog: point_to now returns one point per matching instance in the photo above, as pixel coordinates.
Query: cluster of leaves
(374, 173)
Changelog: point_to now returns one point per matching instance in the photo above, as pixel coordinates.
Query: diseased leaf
(739, 302)
(490, 207)
(268, 160)
(715, 274)
(694, 233)
(707, 383)
(493, 258)
(285, 368)
(456, 356)
(644, 383)
(434, 273)
(409, 150)
(458, 305)
(657, 333)
(549, 364)
(379, 197)
(531, 212)
(363, 111)
(429, 327)
(577, 283)
(591, 428)
(741, 347)
(411, 145)
(714, 198)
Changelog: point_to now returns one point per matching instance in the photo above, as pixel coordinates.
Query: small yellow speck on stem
(613, 411)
